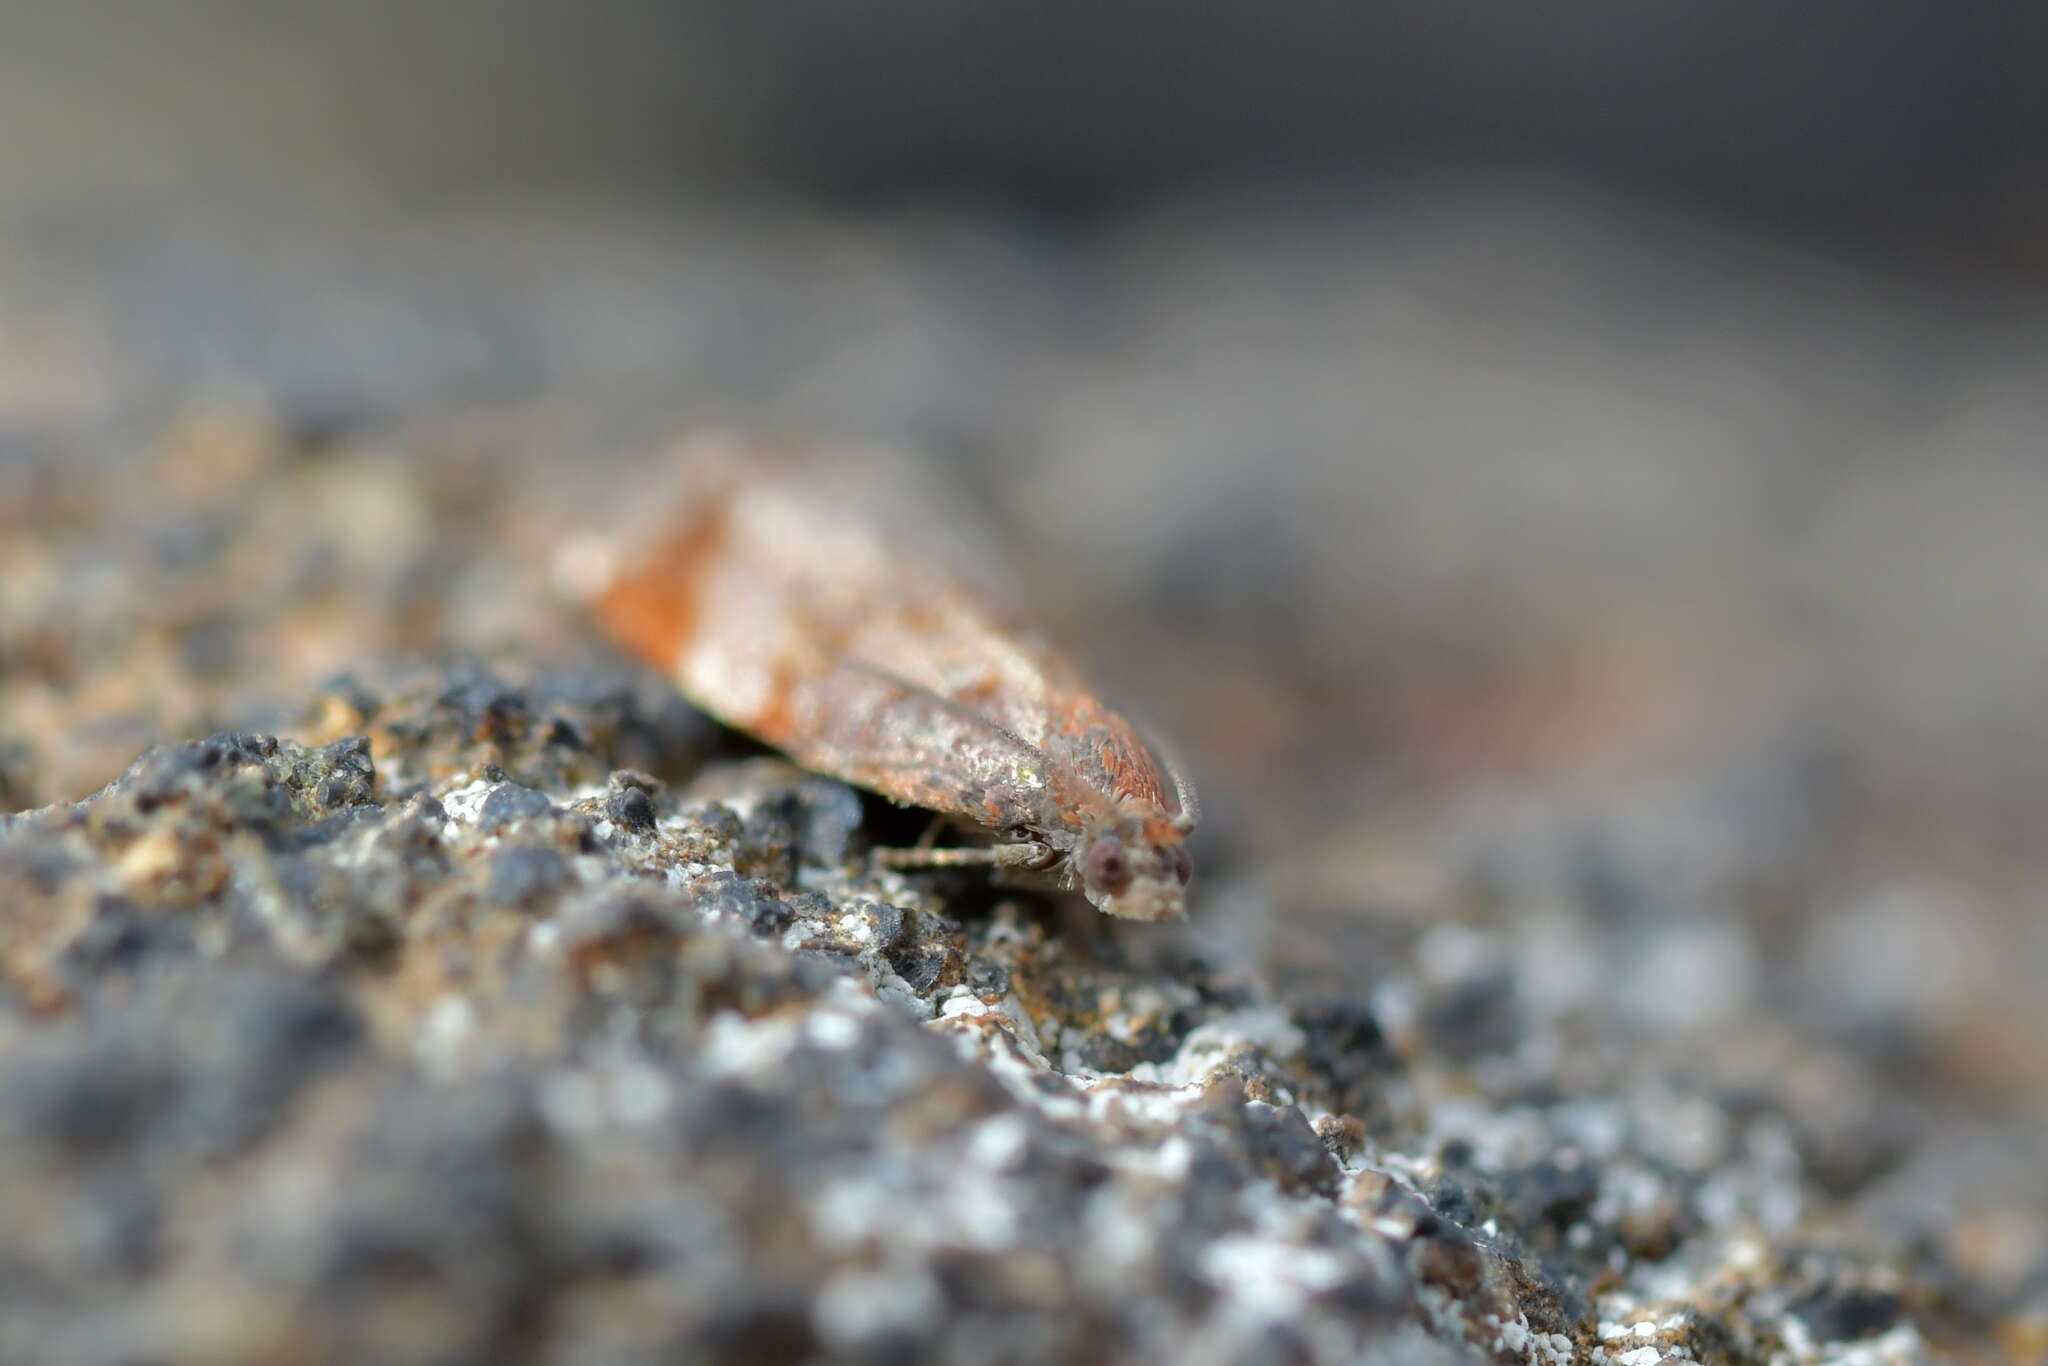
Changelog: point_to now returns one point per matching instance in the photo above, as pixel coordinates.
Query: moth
(781, 606)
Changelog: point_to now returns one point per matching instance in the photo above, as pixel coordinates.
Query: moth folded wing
(864, 725)
(1104, 749)
(869, 726)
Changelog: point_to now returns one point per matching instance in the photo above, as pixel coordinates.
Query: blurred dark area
(1592, 454)
(1904, 123)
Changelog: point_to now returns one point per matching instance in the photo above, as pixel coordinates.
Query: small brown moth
(783, 613)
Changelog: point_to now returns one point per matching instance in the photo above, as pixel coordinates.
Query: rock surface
(447, 1040)
(467, 997)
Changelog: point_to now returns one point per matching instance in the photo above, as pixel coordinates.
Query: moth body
(783, 613)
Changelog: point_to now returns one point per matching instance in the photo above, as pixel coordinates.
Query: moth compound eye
(1107, 867)
(1183, 866)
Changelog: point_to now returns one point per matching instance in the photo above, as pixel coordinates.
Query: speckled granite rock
(469, 998)
(449, 1041)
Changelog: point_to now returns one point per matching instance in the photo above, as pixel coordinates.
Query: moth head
(1135, 867)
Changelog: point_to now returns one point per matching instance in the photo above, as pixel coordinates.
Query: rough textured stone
(468, 997)
(595, 1094)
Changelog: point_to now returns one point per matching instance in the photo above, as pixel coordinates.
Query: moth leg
(1028, 854)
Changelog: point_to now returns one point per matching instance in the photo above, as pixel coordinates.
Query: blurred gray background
(1889, 121)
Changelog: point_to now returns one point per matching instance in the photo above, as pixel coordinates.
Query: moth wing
(909, 583)
(784, 611)
(882, 732)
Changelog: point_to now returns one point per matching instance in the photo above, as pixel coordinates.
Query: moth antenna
(1036, 855)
